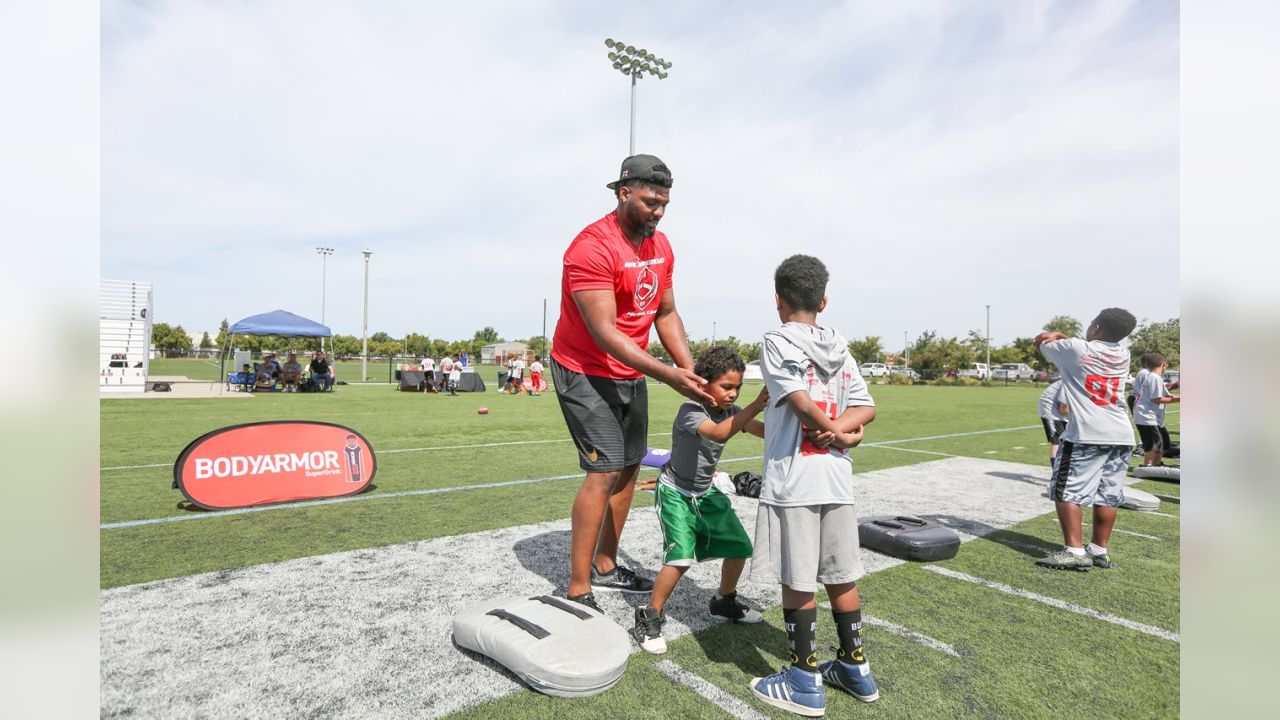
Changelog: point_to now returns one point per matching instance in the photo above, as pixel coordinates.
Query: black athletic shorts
(608, 419)
(1053, 429)
(1152, 438)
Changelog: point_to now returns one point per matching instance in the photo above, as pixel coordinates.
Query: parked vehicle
(1017, 372)
(1170, 377)
(979, 371)
(1042, 377)
(870, 369)
(900, 370)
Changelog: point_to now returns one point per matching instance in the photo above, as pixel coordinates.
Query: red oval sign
(273, 462)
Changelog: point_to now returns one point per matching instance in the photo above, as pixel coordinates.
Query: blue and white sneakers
(853, 679)
(792, 689)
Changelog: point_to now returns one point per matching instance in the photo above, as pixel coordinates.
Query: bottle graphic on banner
(353, 459)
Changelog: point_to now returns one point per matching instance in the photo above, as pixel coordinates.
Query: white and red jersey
(815, 360)
(1093, 375)
(601, 258)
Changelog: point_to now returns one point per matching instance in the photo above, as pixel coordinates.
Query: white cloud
(938, 157)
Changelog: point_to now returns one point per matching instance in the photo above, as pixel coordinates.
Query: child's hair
(801, 280)
(716, 361)
(1115, 324)
(1152, 360)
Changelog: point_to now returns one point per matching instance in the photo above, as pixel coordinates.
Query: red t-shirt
(600, 258)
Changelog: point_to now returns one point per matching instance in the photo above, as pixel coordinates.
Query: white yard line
(1175, 517)
(906, 632)
(721, 699)
(1129, 532)
(565, 440)
(914, 450)
(1054, 602)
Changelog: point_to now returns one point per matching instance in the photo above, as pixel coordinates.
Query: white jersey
(1093, 374)
(1049, 401)
(536, 367)
(446, 364)
(799, 357)
(1147, 387)
(517, 370)
(428, 364)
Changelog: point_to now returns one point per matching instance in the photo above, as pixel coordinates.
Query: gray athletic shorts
(608, 419)
(806, 547)
(1090, 474)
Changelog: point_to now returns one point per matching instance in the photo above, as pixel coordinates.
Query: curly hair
(1115, 324)
(716, 361)
(801, 280)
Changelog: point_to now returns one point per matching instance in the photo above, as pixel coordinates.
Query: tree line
(929, 352)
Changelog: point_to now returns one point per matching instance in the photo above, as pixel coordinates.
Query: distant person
(1053, 415)
(463, 358)
(1095, 446)
(291, 373)
(517, 376)
(1148, 409)
(273, 366)
(321, 372)
(506, 383)
(535, 374)
(455, 377)
(807, 521)
(246, 377)
(429, 370)
(446, 367)
(697, 520)
(263, 379)
(615, 287)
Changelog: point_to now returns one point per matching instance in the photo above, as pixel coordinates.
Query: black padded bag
(908, 538)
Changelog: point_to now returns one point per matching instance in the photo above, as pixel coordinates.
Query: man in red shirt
(616, 285)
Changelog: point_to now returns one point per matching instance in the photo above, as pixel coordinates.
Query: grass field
(443, 471)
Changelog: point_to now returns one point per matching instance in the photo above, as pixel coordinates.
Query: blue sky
(937, 156)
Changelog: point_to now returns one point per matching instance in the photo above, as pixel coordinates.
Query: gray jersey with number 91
(1093, 374)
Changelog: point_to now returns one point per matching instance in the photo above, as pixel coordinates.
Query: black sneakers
(730, 607)
(648, 630)
(620, 579)
(586, 599)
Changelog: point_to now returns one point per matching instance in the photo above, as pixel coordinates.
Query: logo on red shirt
(646, 287)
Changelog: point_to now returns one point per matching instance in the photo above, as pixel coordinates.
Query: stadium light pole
(907, 346)
(635, 63)
(364, 343)
(324, 253)
(988, 341)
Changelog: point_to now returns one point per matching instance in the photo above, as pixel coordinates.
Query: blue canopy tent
(277, 322)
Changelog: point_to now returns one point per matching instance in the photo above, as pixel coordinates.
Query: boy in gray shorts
(1096, 444)
(807, 524)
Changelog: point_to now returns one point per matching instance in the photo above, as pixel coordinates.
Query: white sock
(1077, 551)
(1095, 550)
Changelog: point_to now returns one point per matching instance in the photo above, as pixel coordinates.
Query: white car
(873, 370)
(979, 371)
(1018, 372)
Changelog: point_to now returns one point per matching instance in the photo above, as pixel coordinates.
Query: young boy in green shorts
(698, 522)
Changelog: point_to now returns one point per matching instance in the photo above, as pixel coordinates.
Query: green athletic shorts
(702, 527)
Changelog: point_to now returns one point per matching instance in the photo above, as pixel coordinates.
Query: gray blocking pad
(1135, 499)
(367, 633)
(1172, 473)
(556, 646)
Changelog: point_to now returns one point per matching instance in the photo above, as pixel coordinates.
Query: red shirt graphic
(600, 258)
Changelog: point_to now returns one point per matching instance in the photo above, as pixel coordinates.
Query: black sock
(849, 628)
(802, 636)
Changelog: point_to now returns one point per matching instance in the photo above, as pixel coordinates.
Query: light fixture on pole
(637, 63)
(364, 343)
(324, 253)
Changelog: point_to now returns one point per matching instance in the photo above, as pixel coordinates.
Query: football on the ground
(483, 410)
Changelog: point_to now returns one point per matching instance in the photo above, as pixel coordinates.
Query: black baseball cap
(643, 167)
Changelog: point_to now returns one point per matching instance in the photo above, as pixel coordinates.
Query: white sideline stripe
(989, 452)
(1175, 517)
(564, 440)
(1130, 532)
(435, 491)
(721, 699)
(913, 450)
(904, 631)
(1060, 604)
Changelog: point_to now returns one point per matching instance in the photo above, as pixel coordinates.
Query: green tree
(379, 337)
(931, 355)
(868, 349)
(486, 336)
(205, 342)
(656, 350)
(224, 330)
(1162, 337)
(418, 345)
(344, 346)
(1064, 324)
(170, 340)
(439, 347)
(538, 345)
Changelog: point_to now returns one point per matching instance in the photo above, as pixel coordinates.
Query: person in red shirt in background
(615, 287)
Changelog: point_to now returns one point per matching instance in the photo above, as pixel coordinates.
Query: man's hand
(1048, 336)
(688, 384)
(761, 400)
